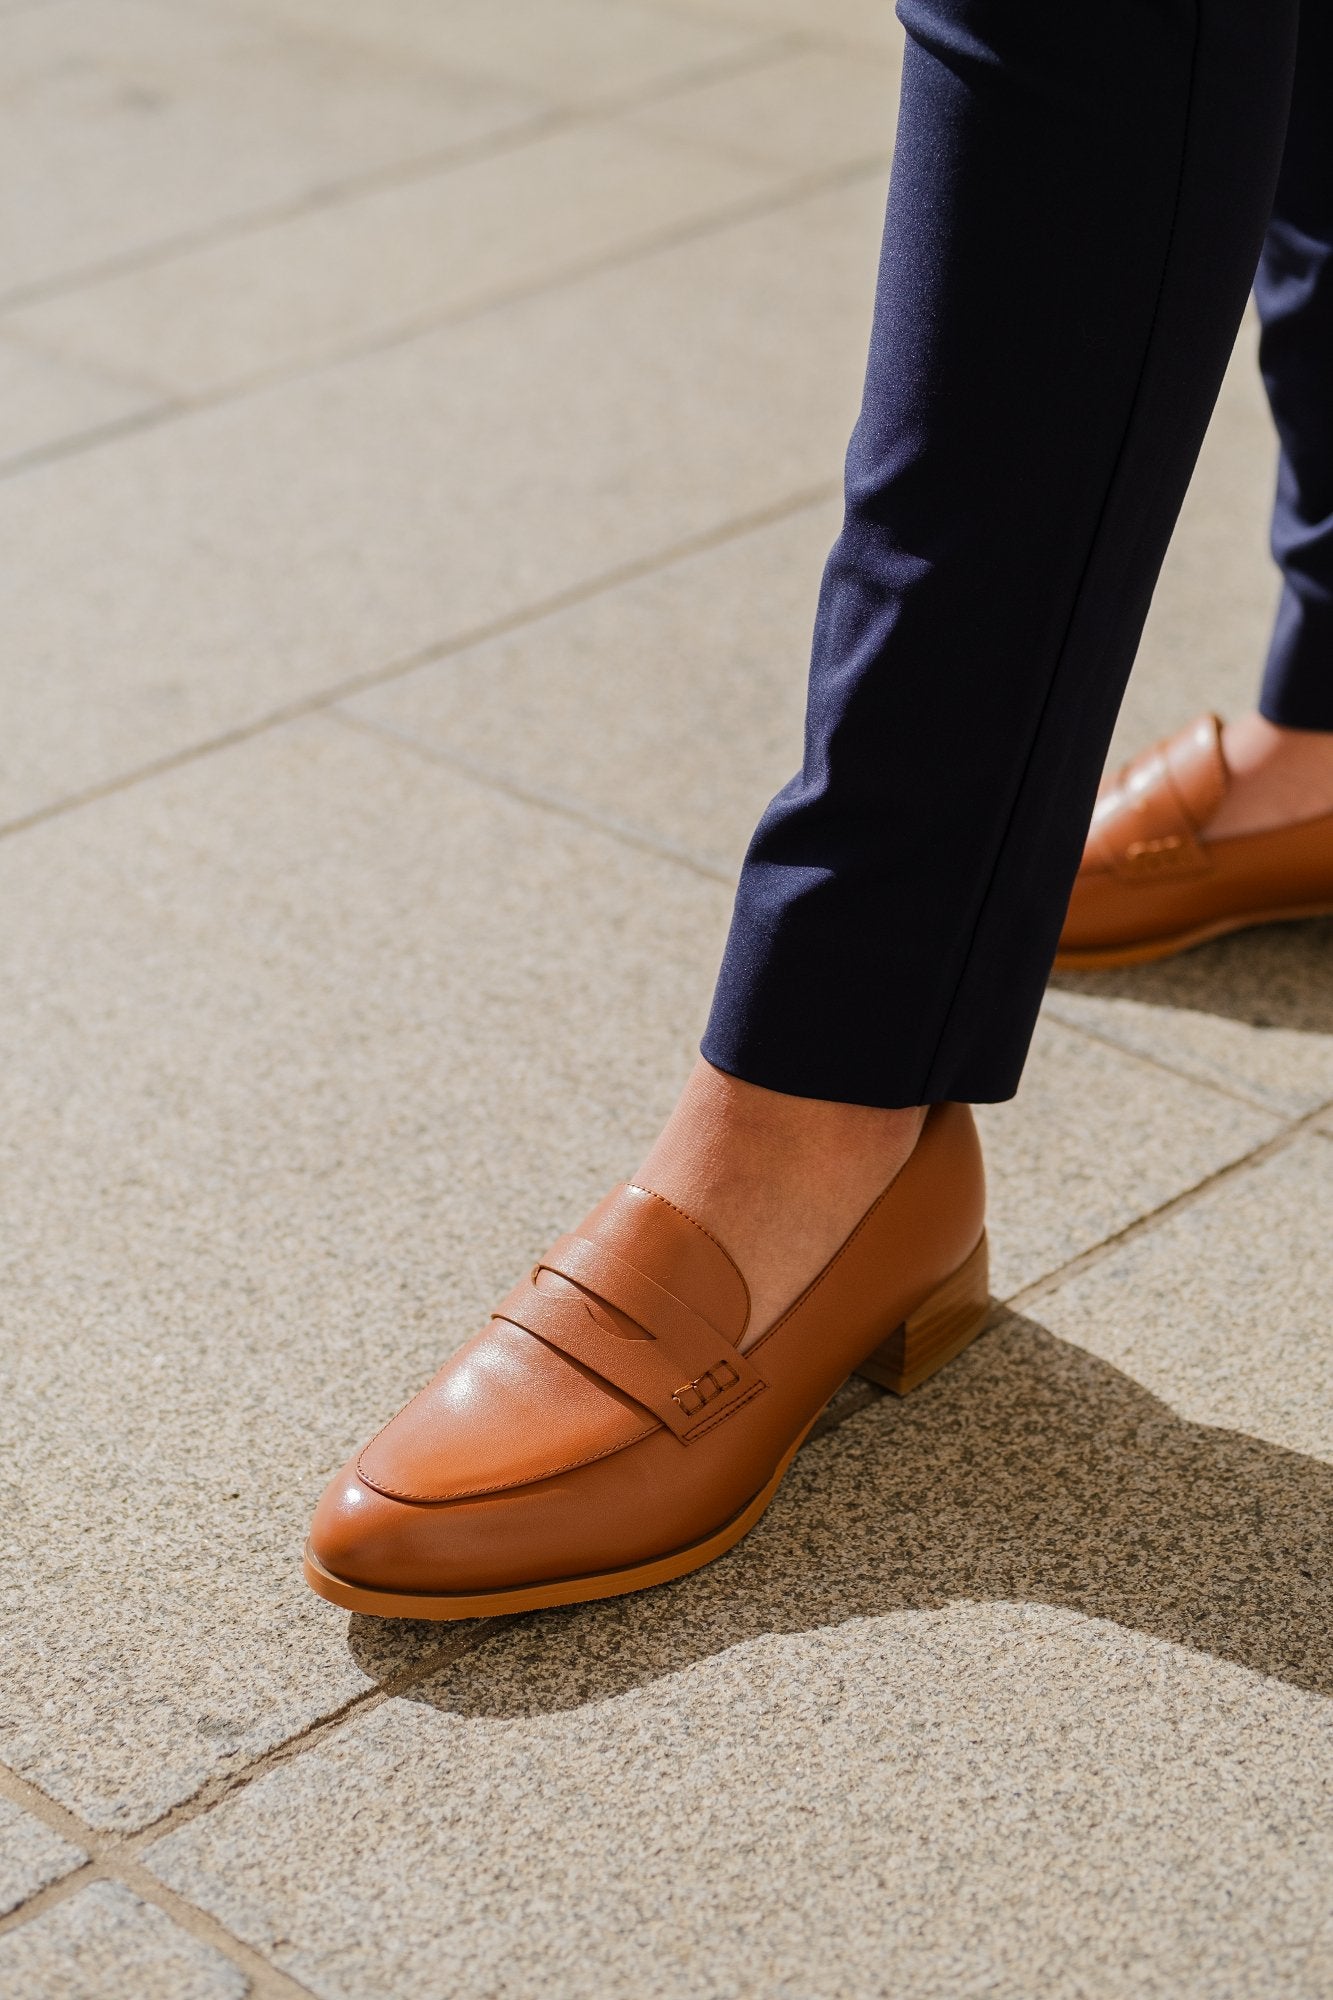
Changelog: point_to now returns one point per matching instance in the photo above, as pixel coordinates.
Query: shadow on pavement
(1031, 1472)
(1280, 976)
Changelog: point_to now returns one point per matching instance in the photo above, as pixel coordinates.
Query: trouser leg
(1076, 208)
(1294, 293)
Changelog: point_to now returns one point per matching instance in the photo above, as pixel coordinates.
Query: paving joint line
(171, 407)
(265, 1981)
(545, 798)
(1096, 1253)
(773, 200)
(115, 1856)
(770, 47)
(1251, 1102)
(329, 194)
(453, 1645)
(813, 38)
(718, 536)
(75, 443)
(107, 1849)
(109, 373)
(547, 117)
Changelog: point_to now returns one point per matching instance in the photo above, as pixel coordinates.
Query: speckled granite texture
(31, 1856)
(422, 441)
(105, 1944)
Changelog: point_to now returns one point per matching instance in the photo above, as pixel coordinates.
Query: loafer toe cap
(364, 1537)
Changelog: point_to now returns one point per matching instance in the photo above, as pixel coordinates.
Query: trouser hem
(795, 1075)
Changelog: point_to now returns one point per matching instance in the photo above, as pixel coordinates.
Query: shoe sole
(1105, 959)
(941, 1327)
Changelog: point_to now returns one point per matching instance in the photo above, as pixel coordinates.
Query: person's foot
(1278, 777)
(1218, 828)
(779, 1180)
(1275, 777)
(625, 1417)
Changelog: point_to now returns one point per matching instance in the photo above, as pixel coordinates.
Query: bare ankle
(1278, 776)
(780, 1180)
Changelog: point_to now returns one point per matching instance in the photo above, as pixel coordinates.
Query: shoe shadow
(1030, 1471)
(1277, 976)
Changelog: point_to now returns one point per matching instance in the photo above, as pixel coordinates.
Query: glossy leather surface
(1151, 874)
(521, 1462)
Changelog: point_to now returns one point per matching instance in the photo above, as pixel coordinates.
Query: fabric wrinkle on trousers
(1076, 208)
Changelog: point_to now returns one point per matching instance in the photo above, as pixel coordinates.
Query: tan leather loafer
(1152, 883)
(616, 1425)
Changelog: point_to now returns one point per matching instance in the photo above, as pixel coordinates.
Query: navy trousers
(1079, 199)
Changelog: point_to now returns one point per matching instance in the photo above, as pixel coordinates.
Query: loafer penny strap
(685, 1372)
(1149, 826)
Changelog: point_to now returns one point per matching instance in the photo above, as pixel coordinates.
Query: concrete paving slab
(303, 1067)
(1316, 1966)
(871, 23)
(31, 1856)
(1014, 1684)
(1251, 1013)
(1222, 1310)
(153, 123)
(343, 275)
(671, 704)
(106, 1944)
(1093, 1141)
(46, 400)
(207, 572)
(817, 109)
(572, 51)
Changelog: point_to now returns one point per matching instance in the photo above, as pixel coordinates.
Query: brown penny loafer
(616, 1424)
(1151, 883)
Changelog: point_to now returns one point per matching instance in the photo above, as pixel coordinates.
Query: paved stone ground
(420, 429)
